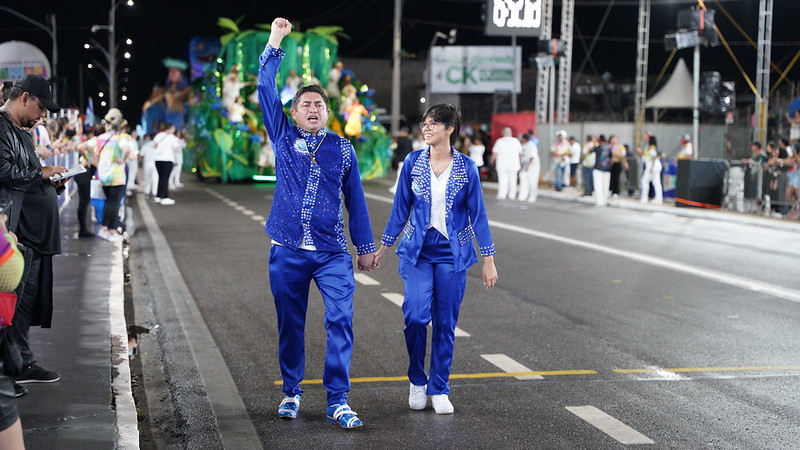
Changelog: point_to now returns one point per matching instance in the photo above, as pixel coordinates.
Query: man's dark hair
(757, 145)
(447, 114)
(310, 88)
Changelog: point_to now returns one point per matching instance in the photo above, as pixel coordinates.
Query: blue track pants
(290, 274)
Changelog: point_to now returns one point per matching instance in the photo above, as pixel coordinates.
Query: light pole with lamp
(110, 52)
(50, 31)
(451, 39)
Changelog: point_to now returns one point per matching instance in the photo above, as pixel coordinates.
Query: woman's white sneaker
(441, 404)
(417, 398)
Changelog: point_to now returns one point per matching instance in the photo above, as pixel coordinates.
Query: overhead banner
(475, 70)
(514, 18)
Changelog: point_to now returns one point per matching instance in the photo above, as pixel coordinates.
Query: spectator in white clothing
(150, 175)
(476, 151)
(529, 175)
(166, 144)
(505, 157)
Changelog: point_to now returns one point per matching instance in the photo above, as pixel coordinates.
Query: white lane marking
(461, 333)
(366, 280)
(258, 218)
(397, 299)
(393, 297)
(720, 277)
(624, 434)
(508, 365)
(248, 212)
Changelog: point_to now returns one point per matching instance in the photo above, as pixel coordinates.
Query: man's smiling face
(310, 112)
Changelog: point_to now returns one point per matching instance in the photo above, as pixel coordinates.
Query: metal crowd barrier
(757, 188)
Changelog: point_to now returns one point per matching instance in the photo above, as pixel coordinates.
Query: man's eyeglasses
(429, 125)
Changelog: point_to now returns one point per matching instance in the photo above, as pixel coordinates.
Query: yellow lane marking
(568, 372)
(462, 375)
(710, 369)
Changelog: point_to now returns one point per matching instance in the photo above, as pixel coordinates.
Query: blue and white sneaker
(342, 413)
(289, 408)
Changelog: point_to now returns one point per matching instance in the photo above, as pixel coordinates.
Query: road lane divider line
(508, 365)
(366, 280)
(460, 376)
(709, 274)
(622, 433)
(397, 299)
(709, 369)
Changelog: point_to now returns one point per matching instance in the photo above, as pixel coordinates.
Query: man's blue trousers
(290, 274)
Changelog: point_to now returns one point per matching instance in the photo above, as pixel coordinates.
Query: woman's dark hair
(652, 141)
(447, 114)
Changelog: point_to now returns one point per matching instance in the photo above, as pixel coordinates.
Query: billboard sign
(18, 59)
(514, 18)
(475, 69)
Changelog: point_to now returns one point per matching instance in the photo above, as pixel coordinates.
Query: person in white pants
(505, 156)
(601, 175)
(149, 173)
(652, 172)
(529, 175)
(175, 175)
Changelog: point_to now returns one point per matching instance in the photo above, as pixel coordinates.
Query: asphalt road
(608, 328)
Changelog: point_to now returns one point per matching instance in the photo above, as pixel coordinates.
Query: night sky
(164, 28)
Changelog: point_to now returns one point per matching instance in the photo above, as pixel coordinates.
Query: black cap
(40, 87)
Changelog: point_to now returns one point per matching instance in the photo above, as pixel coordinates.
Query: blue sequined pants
(433, 294)
(290, 274)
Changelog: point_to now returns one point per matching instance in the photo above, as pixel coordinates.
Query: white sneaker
(167, 201)
(180, 185)
(114, 237)
(417, 399)
(158, 199)
(103, 234)
(441, 404)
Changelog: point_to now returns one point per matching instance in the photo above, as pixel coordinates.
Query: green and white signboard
(475, 70)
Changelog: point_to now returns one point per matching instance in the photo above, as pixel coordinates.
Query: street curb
(122, 391)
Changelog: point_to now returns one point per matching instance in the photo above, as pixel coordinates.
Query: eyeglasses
(429, 125)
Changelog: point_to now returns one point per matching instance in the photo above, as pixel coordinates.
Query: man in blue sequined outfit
(314, 168)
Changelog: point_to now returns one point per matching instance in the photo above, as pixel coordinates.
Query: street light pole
(112, 55)
(50, 31)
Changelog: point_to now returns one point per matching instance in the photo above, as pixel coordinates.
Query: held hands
(378, 257)
(280, 28)
(365, 261)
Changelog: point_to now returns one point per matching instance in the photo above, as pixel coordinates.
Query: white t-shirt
(438, 200)
(575, 155)
(476, 153)
(530, 152)
(507, 150)
(164, 147)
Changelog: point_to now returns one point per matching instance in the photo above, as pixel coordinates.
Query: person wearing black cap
(33, 215)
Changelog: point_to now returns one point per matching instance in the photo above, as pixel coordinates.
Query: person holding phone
(33, 215)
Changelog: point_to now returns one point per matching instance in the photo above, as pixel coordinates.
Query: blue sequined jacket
(307, 205)
(465, 214)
